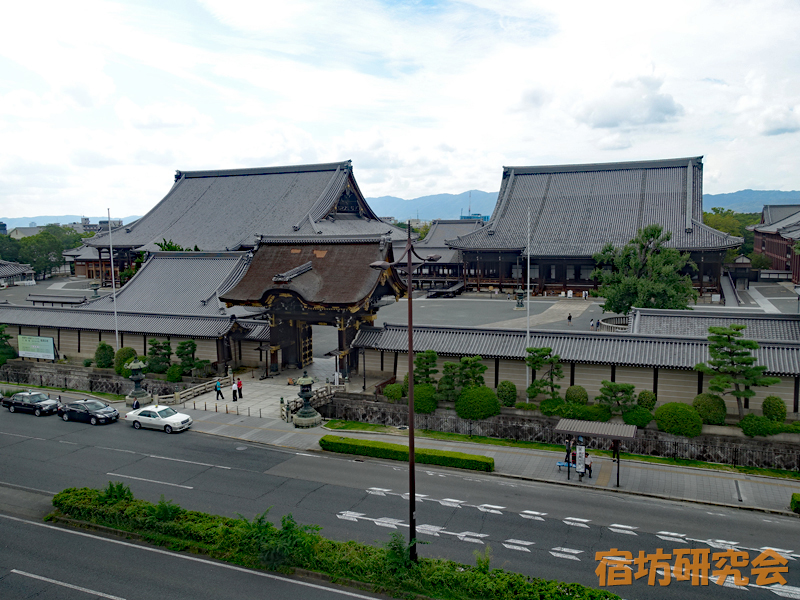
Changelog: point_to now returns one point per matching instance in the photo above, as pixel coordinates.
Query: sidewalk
(258, 420)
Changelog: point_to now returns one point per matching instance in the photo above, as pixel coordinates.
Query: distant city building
(3, 230)
(474, 216)
(21, 232)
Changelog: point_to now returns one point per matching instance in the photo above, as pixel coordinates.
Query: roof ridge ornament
(287, 276)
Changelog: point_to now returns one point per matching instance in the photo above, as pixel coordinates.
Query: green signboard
(31, 346)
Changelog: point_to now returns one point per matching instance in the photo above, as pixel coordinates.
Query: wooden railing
(192, 392)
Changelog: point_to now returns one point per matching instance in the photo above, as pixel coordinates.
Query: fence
(750, 453)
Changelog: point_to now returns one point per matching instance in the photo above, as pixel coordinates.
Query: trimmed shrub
(526, 406)
(334, 443)
(507, 393)
(87, 362)
(617, 396)
(123, 355)
(405, 386)
(753, 425)
(576, 394)
(424, 398)
(638, 416)
(711, 408)
(477, 403)
(774, 408)
(678, 418)
(593, 412)
(393, 392)
(104, 356)
(795, 503)
(550, 406)
(646, 400)
(175, 373)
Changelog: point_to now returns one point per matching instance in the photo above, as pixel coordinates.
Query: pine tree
(733, 364)
(425, 367)
(542, 360)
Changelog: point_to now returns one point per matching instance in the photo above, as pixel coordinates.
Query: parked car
(89, 411)
(157, 416)
(33, 402)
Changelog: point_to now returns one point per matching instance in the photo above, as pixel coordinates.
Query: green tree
(760, 261)
(542, 360)
(104, 356)
(67, 236)
(6, 349)
(9, 248)
(724, 219)
(733, 365)
(123, 356)
(425, 367)
(476, 403)
(446, 388)
(470, 373)
(42, 252)
(619, 397)
(186, 354)
(170, 246)
(158, 356)
(644, 273)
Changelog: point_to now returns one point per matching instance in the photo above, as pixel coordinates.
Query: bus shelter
(616, 432)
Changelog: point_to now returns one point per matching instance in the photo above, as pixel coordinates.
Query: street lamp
(382, 265)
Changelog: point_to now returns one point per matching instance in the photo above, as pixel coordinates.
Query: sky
(100, 102)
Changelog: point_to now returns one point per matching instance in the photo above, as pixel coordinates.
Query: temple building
(776, 236)
(560, 216)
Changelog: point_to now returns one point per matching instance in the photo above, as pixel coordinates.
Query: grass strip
(259, 544)
(427, 456)
(477, 439)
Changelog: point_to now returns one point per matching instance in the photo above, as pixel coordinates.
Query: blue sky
(100, 102)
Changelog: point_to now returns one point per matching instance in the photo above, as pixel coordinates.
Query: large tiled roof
(689, 323)
(139, 323)
(772, 213)
(781, 358)
(788, 226)
(576, 209)
(226, 209)
(13, 269)
(320, 271)
(442, 230)
(180, 283)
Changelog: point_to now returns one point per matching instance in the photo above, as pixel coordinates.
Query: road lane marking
(532, 514)
(567, 553)
(117, 450)
(189, 462)
(196, 559)
(490, 508)
(22, 487)
(576, 522)
(66, 442)
(670, 536)
(66, 585)
(186, 487)
(520, 545)
(27, 437)
(626, 529)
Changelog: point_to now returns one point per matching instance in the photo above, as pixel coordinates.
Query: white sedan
(159, 417)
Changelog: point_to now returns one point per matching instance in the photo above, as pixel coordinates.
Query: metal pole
(113, 285)
(412, 491)
(528, 302)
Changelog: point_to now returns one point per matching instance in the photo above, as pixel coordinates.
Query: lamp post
(408, 252)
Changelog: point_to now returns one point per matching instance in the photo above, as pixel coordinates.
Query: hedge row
(258, 543)
(443, 458)
(795, 504)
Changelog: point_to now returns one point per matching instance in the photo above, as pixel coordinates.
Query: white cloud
(101, 101)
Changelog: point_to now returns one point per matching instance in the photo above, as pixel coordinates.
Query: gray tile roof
(13, 269)
(781, 358)
(576, 209)
(140, 323)
(689, 323)
(221, 210)
(788, 226)
(442, 230)
(180, 283)
(772, 213)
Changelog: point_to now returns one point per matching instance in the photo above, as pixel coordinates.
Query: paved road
(534, 528)
(48, 562)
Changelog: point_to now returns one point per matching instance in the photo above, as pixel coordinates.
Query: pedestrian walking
(239, 387)
(591, 325)
(218, 389)
(569, 319)
(135, 404)
(234, 388)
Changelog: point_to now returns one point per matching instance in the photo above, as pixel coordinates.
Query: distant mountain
(62, 220)
(749, 201)
(438, 206)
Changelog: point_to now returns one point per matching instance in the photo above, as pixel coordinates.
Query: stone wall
(708, 447)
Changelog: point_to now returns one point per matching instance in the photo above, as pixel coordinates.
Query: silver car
(157, 416)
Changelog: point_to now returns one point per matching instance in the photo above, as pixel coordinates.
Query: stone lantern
(136, 367)
(306, 417)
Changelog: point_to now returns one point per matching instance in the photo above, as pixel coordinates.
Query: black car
(88, 411)
(33, 402)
